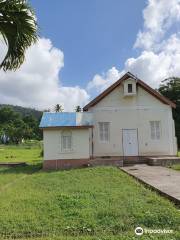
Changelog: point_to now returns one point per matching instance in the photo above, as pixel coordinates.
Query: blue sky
(94, 35)
(85, 46)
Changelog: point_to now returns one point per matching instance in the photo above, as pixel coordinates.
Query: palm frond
(19, 30)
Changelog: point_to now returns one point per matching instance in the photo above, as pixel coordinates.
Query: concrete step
(163, 160)
(128, 164)
(106, 162)
(136, 161)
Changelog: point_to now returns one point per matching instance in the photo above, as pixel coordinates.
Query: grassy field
(99, 203)
(92, 203)
(176, 167)
(29, 152)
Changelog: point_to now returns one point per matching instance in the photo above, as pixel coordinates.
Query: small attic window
(130, 88)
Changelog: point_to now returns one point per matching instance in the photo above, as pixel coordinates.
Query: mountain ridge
(24, 111)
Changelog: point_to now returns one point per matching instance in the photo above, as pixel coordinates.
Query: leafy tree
(33, 131)
(18, 28)
(8, 115)
(16, 131)
(15, 127)
(30, 121)
(58, 108)
(78, 109)
(170, 88)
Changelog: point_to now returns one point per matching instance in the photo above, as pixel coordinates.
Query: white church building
(129, 120)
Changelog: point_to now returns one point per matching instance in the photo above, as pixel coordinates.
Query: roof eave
(65, 127)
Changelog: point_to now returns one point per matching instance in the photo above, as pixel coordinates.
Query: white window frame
(64, 137)
(104, 134)
(155, 130)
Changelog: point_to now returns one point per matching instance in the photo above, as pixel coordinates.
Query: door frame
(137, 141)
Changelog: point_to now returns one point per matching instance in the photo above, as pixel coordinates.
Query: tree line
(170, 88)
(14, 127)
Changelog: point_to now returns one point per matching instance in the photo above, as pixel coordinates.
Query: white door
(130, 142)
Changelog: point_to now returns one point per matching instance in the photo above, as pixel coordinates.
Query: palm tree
(18, 28)
(58, 108)
(78, 109)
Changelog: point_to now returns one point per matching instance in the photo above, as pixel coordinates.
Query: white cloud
(159, 16)
(36, 83)
(160, 56)
(101, 82)
(153, 67)
(149, 67)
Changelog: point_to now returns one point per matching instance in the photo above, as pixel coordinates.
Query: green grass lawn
(176, 167)
(92, 203)
(29, 152)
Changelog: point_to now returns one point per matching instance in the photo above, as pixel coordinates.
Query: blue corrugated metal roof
(64, 119)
